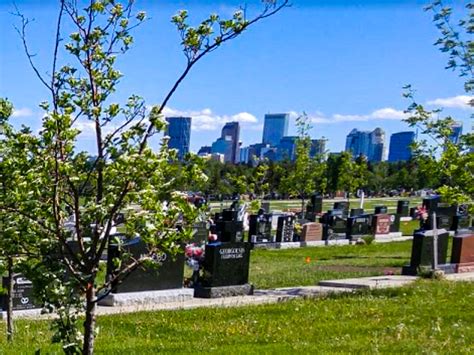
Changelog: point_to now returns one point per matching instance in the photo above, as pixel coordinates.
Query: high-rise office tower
(377, 151)
(275, 128)
(231, 131)
(456, 132)
(357, 142)
(228, 143)
(179, 131)
(400, 149)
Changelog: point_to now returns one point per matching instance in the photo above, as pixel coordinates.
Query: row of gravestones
(448, 218)
(226, 264)
(338, 223)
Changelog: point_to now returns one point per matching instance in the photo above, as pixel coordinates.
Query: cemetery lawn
(428, 317)
(307, 266)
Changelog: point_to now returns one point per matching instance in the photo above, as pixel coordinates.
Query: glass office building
(275, 128)
(179, 131)
(400, 146)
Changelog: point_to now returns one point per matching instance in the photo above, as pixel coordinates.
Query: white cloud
(22, 112)
(386, 113)
(460, 101)
(206, 120)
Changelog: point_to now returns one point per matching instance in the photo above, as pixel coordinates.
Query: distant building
(377, 151)
(369, 144)
(231, 131)
(179, 131)
(286, 148)
(456, 132)
(318, 147)
(400, 146)
(205, 149)
(275, 128)
(223, 146)
(228, 144)
(357, 142)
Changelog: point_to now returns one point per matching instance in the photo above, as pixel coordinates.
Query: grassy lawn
(429, 317)
(369, 204)
(281, 268)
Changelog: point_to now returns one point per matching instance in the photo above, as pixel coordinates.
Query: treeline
(338, 173)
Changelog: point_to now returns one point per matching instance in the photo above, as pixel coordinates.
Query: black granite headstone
(22, 293)
(394, 223)
(403, 208)
(358, 226)
(422, 250)
(334, 225)
(260, 228)
(226, 264)
(343, 206)
(201, 232)
(380, 210)
(285, 229)
(316, 205)
(356, 212)
(442, 222)
(168, 275)
(461, 222)
(413, 212)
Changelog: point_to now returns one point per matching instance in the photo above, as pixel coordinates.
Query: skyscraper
(357, 142)
(400, 146)
(377, 145)
(179, 131)
(286, 149)
(369, 144)
(275, 128)
(231, 131)
(228, 143)
(456, 132)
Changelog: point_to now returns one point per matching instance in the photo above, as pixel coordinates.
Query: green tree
(455, 165)
(125, 172)
(301, 180)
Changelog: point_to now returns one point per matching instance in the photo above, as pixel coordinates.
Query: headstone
(229, 228)
(461, 222)
(356, 212)
(312, 232)
(394, 223)
(413, 212)
(168, 275)
(226, 264)
(260, 228)
(343, 206)
(22, 293)
(403, 208)
(380, 210)
(285, 228)
(266, 206)
(463, 249)
(200, 232)
(422, 250)
(381, 224)
(316, 205)
(334, 225)
(442, 222)
(359, 226)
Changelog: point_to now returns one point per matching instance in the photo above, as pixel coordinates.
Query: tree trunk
(10, 300)
(89, 323)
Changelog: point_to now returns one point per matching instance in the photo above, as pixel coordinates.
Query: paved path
(266, 296)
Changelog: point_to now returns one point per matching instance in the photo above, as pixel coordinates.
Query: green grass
(281, 268)
(429, 317)
(369, 204)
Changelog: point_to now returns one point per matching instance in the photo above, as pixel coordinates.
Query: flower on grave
(212, 237)
(422, 213)
(308, 259)
(194, 255)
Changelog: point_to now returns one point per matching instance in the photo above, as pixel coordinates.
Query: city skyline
(349, 68)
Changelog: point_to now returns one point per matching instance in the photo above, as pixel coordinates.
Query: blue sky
(342, 62)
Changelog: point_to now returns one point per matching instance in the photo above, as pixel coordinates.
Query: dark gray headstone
(403, 208)
(23, 296)
(394, 223)
(285, 229)
(380, 210)
(167, 275)
(356, 212)
(359, 226)
(260, 228)
(226, 264)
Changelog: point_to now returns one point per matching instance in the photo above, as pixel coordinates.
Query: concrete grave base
(147, 297)
(24, 313)
(370, 282)
(223, 291)
(411, 270)
(464, 267)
